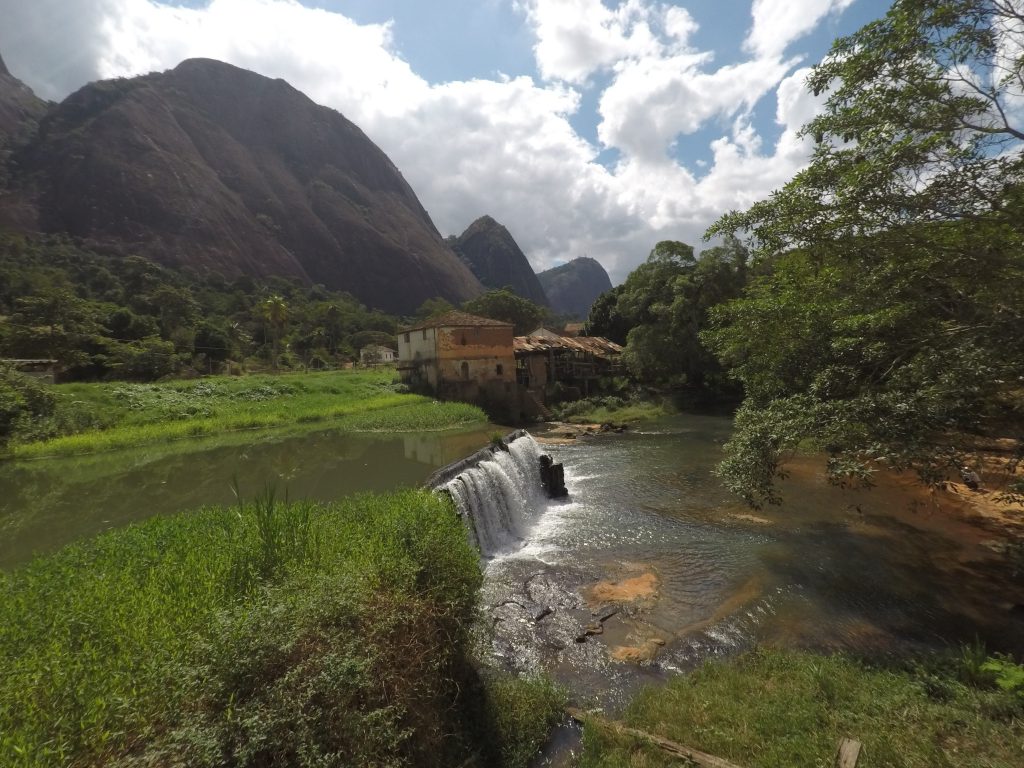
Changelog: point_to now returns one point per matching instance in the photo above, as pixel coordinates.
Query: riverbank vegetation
(271, 633)
(613, 408)
(779, 709)
(113, 316)
(89, 417)
(873, 311)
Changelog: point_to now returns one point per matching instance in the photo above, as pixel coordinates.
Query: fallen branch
(701, 759)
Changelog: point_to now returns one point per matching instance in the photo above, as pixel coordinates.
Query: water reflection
(46, 504)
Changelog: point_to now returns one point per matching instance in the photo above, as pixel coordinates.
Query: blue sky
(586, 127)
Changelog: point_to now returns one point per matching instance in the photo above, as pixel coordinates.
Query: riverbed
(650, 568)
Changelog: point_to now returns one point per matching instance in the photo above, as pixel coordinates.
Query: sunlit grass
(97, 641)
(264, 634)
(139, 414)
(778, 709)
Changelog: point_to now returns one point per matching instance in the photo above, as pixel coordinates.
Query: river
(667, 570)
(48, 503)
(649, 550)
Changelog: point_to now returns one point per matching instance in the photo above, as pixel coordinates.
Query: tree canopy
(661, 309)
(888, 328)
(124, 317)
(503, 304)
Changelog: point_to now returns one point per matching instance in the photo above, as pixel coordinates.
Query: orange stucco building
(458, 356)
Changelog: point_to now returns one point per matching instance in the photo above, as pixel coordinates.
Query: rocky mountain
(20, 109)
(572, 288)
(496, 259)
(219, 169)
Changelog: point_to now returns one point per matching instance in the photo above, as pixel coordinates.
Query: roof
(593, 345)
(544, 333)
(573, 329)
(456, 319)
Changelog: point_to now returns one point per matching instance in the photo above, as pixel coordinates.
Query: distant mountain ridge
(219, 169)
(20, 109)
(572, 288)
(493, 255)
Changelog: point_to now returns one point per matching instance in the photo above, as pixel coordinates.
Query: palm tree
(275, 313)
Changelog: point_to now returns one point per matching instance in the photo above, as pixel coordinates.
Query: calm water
(876, 571)
(48, 503)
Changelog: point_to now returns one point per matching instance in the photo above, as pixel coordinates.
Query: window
(465, 370)
(498, 369)
(407, 338)
(424, 334)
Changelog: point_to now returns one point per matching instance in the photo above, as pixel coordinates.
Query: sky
(586, 127)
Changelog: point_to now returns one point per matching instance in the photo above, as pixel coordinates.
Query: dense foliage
(503, 304)
(108, 316)
(661, 309)
(889, 326)
(23, 402)
(270, 634)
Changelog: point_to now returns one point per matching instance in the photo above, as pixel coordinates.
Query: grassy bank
(784, 709)
(600, 410)
(267, 634)
(98, 417)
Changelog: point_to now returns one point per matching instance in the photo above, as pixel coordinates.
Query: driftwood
(698, 758)
(847, 754)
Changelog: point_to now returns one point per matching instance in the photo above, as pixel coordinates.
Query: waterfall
(499, 493)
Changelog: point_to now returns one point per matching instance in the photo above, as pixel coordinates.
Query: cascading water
(500, 494)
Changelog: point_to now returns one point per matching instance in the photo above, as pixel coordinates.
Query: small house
(458, 356)
(377, 354)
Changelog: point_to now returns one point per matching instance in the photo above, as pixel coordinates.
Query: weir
(501, 490)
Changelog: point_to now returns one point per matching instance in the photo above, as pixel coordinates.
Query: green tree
(663, 307)
(274, 312)
(889, 323)
(433, 307)
(22, 401)
(605, 320)
(502, 304)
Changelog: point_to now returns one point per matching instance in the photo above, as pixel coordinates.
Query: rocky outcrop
(218, 169)
(496, 259)
(572, 288)
(20, 109)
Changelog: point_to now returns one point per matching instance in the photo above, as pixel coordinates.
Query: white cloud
(651, 101)
(576, 38)
(777, 23)
(506, 146)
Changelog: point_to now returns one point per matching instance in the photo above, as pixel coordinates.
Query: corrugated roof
(594, 345)
(456, 319)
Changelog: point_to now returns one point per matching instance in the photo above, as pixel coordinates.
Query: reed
(273, 632)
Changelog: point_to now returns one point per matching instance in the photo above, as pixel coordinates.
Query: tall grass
(268, 633)
(101, 417)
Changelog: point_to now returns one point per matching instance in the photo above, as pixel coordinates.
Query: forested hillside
(124, 317)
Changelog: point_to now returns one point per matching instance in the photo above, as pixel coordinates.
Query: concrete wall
(418, 348)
